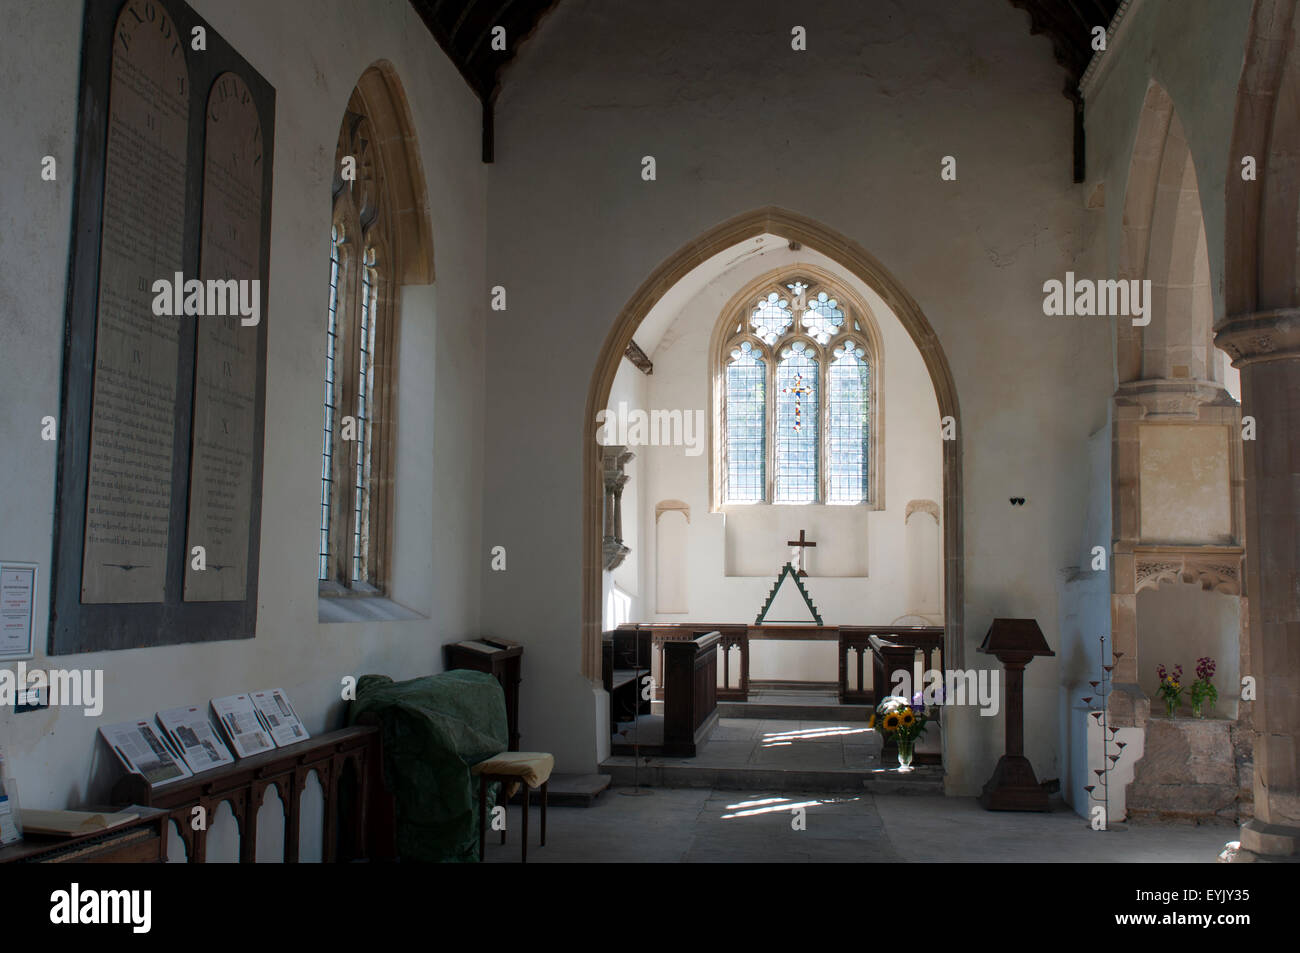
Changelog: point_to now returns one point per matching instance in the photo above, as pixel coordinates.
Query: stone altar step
(682, 773)
(575, 790)
(791, 707)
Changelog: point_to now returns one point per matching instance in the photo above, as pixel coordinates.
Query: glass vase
(905, 751)
(1171, 706)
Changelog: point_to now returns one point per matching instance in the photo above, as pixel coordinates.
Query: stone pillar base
(1270, 840)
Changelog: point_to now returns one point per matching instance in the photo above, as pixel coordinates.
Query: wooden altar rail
(244, 785)
(898, 648)
(691, 697)
(869, 683)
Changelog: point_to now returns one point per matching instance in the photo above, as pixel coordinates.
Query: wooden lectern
(1013, 786)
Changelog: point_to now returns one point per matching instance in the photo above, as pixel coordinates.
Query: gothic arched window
(379, 241)
(798, 403)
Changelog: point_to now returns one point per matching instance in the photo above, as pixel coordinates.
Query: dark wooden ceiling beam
(1068, 24)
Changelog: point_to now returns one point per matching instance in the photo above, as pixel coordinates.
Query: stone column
(1266, 347)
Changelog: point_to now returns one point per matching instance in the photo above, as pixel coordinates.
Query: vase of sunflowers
(901, 722)
(1171, 687)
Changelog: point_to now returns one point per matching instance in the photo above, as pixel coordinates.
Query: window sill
(334, 603)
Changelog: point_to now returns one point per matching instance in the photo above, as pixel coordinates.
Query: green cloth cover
(434, 729)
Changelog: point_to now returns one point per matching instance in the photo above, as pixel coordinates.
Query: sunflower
(871, 722)
(892, 721)
(908, 718)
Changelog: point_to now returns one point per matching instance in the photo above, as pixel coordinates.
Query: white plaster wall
(1084, 601)
(54, 754)
(850, 133)
(912, 458)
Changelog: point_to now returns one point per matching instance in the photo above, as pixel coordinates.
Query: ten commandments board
(159, 493)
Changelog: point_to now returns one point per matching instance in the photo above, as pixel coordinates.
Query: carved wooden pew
(690, 693)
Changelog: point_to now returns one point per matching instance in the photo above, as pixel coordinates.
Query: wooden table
(142, 841)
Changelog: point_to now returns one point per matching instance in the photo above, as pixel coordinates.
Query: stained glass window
(772, 318)
(848, 385)
(798, 415)
(327, 453)
(746, 426)
(797, 425)
(823, 319)
(365, 399)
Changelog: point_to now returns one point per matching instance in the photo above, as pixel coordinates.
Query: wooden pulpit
(1013, 786)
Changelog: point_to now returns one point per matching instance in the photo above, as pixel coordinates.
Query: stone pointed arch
(382, 100)
(1163, 240)
(854, 259)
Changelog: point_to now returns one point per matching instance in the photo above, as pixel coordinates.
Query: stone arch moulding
(678, 506)
(921, 506)
(386, 107)
(853, 258)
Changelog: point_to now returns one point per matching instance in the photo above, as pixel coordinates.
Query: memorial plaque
(164, 384)
(128, 494)
(226, 365)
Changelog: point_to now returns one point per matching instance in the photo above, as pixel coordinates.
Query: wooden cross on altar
(800, 545)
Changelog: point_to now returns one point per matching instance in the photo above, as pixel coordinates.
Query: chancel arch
(774, 228)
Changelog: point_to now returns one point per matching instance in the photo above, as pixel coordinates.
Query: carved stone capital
(1170, 397)
(1262, 336)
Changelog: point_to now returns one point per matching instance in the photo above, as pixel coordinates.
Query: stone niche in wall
(756, 538)
(1185, 489)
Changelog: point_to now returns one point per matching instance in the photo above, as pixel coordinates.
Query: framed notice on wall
(17, 609)
(160, 465)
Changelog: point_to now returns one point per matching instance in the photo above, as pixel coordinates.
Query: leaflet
(143, 751)
(192, 734)
(278, 715)
(239, 719)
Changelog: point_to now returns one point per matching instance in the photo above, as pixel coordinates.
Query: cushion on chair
(531, 767)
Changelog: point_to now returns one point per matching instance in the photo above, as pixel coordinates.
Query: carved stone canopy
(1216, 568)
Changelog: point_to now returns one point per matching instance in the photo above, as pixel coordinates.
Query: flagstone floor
(671, 825)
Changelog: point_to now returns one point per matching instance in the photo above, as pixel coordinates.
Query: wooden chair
(531, 769)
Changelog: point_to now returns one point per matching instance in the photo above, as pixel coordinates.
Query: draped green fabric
(434, 730)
